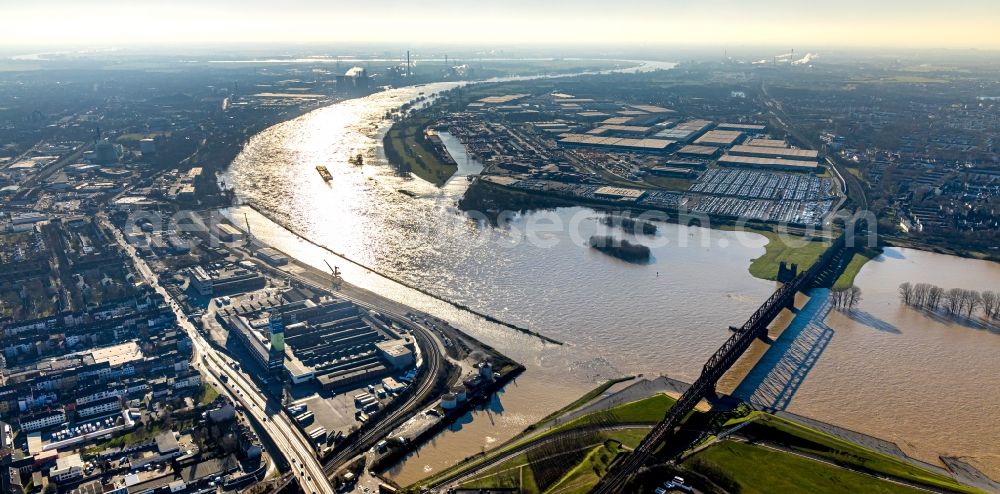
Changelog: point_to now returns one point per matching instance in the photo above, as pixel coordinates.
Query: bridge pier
(787, 272)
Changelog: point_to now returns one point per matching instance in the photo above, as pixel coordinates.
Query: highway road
(278, 426)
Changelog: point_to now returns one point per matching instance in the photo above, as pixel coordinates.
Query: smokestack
(407, 63)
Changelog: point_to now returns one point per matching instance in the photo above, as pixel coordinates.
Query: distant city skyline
(963, 24)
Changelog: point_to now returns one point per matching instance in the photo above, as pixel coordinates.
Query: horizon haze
(921, 24)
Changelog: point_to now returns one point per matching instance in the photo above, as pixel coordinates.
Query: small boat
(323, 172)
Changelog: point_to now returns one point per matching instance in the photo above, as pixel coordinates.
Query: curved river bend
(616, 318)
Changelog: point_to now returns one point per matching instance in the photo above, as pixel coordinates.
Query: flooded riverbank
(925, 381)
(665, 317)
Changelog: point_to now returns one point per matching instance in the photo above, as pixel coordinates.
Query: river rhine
(887, 370)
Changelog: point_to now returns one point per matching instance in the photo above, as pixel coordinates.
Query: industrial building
(652, 109)
(263, 339)
(673, 171)
(749, 128)
(617, 120)
(396, 353)
(621, 143)
(229, 233)
(621, 130)
(356, 78)
(775, 152)
(619, 193)
(334, 342)
(502, 99)
(272, 256)
(724, 138)
(696, 151)
(772, 163)
(224, 280)
(768, 143)
(685, 131)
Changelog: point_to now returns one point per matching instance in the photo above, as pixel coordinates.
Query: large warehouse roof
(698, 150)
(769, 143)
(736, 126)
(719, 137)
(730, 160)
(763, 151)
(621, 142)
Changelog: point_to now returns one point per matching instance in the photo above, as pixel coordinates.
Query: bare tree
(991, 304)
(846, 298)
(906, 293)
(836, 298)
(953, 301)
(920, 292)
(973, 300)
(853, 297)
(934, 296)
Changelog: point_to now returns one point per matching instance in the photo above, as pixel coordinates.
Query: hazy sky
(801, 24)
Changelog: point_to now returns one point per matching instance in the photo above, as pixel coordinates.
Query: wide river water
(887, 370)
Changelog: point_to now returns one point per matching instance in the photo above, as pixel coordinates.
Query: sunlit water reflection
(616, 318)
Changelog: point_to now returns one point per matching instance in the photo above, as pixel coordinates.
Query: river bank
(457, 305)
(614, 318)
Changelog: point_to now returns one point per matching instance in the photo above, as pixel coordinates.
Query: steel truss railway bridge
(724, 358)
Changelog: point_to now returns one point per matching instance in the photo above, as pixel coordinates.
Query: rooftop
(721, 137)
(622, 192)
(498, 100)
(636, 129)
(167, 443)
(652, 109)
(736, 126)
(772, 162)
(69, 461)
(773, 151)
(771, 143)
(118, 354)
(589, 140)
(698, 150)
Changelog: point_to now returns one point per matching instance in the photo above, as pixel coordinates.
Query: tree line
(847, 298)
(957, 301)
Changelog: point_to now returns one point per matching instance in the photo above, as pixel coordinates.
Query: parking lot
(764, 195)
(757, 184)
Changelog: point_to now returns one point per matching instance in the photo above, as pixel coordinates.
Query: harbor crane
(335, 272)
